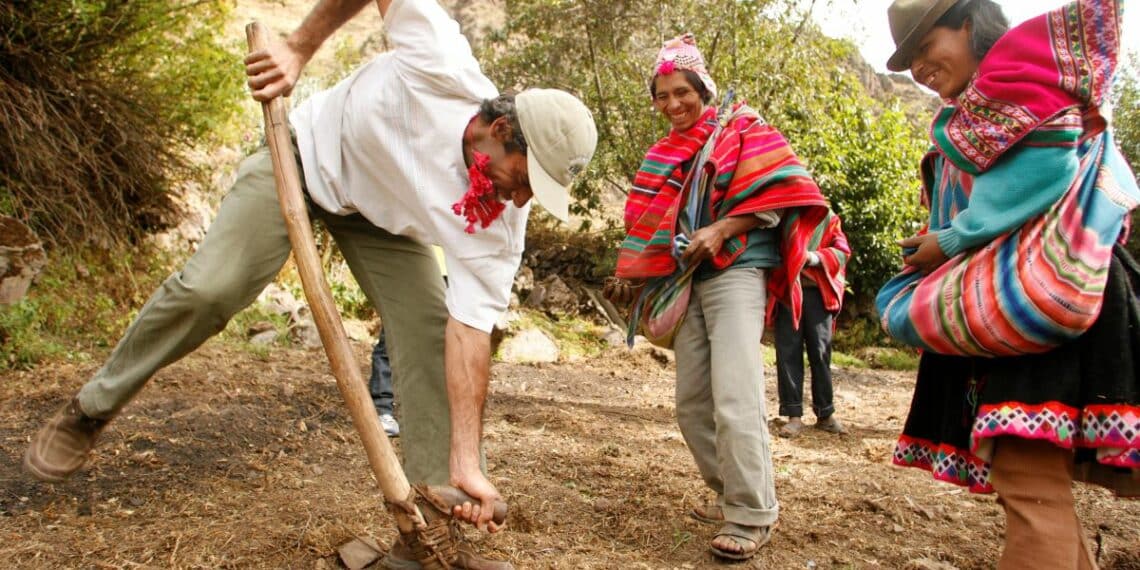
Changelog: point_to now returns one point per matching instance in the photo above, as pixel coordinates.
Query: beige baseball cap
(560, 138)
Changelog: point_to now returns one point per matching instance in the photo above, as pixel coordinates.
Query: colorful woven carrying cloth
(1041, 285)
(660, 309)
(1083, 395)
(752, 169)
(830, 243)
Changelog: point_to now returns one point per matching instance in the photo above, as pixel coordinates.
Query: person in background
(380, 387)
(1028, 198)
(823, 282)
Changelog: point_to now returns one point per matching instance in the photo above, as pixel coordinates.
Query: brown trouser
(1034, 482)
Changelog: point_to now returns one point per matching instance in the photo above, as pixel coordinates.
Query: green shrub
(1126, 114)
(100, 102)
(81, 302)
(574, 336)
(846, 360)
(350, 299)
(238, 328)
(1126, 104)
(22, 339)
(889, 358)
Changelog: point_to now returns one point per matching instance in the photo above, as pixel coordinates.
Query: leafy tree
(1126, 119)
(864, 155)
(1126, 122)
(100, 100)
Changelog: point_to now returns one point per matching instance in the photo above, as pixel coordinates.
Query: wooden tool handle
(381, 457)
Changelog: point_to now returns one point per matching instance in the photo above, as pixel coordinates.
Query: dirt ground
(233, 460)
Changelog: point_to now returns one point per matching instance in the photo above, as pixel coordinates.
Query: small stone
(264, 338)
(928, 564)
(359, 553)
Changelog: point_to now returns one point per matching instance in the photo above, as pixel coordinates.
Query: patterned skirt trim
(945, 462)
(1112, 430)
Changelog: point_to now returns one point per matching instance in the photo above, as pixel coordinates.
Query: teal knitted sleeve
(1023, 184)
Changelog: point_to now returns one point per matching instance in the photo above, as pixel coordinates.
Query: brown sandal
(438, 545)
(710, 513)
(404, 557)
(743, 536)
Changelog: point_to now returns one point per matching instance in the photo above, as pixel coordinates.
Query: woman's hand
(621, 292)
(707, 241)
(928, 255)
(704, 244)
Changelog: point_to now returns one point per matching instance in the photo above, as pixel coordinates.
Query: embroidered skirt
(1084, 395)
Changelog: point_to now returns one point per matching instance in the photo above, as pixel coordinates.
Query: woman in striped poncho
(741, 174)
(1018, 290)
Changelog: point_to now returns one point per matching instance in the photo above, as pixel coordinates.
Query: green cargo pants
(242, 252)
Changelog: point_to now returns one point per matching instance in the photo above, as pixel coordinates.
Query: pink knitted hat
(681, 53)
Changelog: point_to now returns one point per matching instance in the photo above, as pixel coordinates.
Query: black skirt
(1083, 395)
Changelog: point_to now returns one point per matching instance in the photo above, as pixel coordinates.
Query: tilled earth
(230, 459)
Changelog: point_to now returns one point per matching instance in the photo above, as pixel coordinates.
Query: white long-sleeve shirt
(387, 142)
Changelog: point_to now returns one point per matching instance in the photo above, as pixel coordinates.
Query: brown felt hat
(910, 21)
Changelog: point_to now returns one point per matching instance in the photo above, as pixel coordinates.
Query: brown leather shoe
(403, 557)
(830, 424)
(793, 428)
(62, 446)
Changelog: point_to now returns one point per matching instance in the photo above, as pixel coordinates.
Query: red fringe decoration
(479, 204)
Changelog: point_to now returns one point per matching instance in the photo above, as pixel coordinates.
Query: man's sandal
(749, 538)
(438, 545)
(710, 513)
(403, 556)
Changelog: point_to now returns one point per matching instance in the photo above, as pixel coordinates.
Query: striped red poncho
(753, 170)
(830, 243)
